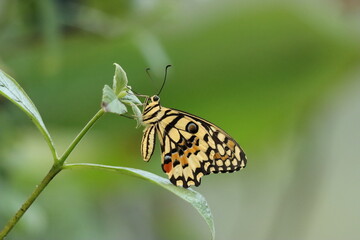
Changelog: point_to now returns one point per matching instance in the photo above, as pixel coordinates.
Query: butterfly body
(191, 146)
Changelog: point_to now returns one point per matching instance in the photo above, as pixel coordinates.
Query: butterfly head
(151, 102)
(151, 109)
(155, 98)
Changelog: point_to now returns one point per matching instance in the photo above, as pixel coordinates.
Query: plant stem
(80, 136)
(39, 188)
(55, 169)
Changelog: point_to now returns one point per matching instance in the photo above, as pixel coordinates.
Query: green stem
(80, 136)
(55, 169)
(39, 188)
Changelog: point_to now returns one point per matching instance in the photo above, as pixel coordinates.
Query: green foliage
(261, 71)
(110, 102)
(114, 101)
(189, 195)
(120, 81)
(10, 89)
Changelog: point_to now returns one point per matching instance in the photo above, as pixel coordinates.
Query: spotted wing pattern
(192, 147)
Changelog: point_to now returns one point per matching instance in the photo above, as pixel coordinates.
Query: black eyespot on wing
(192, 127)
(167, 159)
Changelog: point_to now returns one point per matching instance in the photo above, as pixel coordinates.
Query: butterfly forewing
(148, 142)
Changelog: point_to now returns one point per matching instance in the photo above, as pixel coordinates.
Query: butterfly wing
(148, 142)
(193, 147)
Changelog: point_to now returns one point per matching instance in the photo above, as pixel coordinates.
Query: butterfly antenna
(162, 86)
(149, 75)
(147, 70)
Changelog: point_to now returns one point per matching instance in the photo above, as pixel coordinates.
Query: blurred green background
(282, 77)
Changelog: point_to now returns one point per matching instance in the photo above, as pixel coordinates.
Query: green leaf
(122, 94)
(136, 111)
(189, 195)
(137, 114)
(120, 80)
(10, 89)
(111, 103)
(131, 97)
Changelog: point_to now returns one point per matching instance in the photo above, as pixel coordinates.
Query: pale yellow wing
(148, 142)
(192, 147)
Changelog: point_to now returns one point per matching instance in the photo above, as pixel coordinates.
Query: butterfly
(191, 146)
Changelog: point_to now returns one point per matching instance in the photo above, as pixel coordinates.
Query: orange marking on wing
(195, 148)
(167, 167)
(217, 156)
(190, 150)
(175, 156)
(231, 145)
(183, 160)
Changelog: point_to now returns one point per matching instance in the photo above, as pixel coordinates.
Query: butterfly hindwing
(193, 147)
(183, 158)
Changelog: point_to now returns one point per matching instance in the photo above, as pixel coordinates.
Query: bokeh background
(282, 77)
